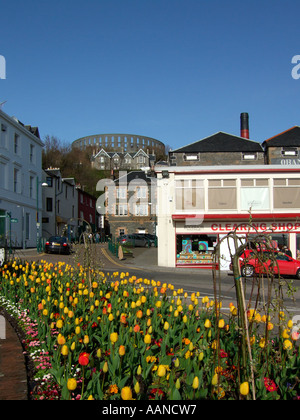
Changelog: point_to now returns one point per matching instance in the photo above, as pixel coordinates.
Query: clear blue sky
(175, 70)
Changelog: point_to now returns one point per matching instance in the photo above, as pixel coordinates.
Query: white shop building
(198, 206)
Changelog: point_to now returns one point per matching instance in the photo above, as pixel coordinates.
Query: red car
(278, 262)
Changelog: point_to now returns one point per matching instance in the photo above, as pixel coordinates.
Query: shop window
(222, 194)
(255, 194)
(195, 249)
(189, 195)
(286, 193)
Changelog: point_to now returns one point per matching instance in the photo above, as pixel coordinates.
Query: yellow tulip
(147, 339)
(121, 350)
(244, 388)
(215, 379)
(221, 323)
(137, 388)
(114, 337)
(64, 350)
(59, 324)
(86, 339)
(285, 334)
(126, 393)
(196, 382)
(287, 345)
(207, 324)
(72, 384)
(161, 371)
(61, 339)
(166, 325)
(105, 367)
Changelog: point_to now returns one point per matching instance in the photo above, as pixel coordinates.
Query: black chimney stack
(245, 125)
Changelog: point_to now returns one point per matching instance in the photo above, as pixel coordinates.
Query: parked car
(278, 262)
(152, 239)
(133, 240)
(58, 245)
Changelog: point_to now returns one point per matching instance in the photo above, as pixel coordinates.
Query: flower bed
(110, 336)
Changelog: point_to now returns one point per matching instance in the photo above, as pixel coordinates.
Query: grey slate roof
(221, 142)
(289, 138)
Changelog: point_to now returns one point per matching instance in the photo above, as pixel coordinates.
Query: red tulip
(84, 359)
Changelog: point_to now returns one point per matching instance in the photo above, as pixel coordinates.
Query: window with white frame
(17, 144)
(222, 194)
(3, 136)
(122, 192)
(3, 175)
(31, 183)
(16, 178)
(121, 210)
(141, 192)
(32, 153)
(189, 195)
(141, 210)
(255, 194)
(286, 193)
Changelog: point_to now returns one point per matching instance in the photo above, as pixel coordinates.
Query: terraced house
(20, 182)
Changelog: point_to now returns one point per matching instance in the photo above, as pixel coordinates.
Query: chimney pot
(245, 125)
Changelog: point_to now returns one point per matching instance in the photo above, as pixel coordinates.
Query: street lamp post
(44, 184)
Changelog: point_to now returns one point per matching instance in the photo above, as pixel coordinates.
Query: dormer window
(289, 151)
(190, 157)
(249, 156)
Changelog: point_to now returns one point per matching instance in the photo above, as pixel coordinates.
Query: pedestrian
(287, 251)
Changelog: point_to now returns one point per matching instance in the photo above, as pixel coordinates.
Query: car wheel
(298, 274)
(247, 271)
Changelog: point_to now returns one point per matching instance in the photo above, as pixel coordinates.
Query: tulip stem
(82, 387)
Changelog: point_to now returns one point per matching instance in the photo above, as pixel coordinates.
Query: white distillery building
(20, 182)
(198, 206)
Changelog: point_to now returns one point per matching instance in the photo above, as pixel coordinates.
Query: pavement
(13, 373)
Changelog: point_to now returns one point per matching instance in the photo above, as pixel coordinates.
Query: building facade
(20, 182)
(198, 207)
(218, 149)
(284, 148)
(60, 205)
(120, 143)
(122, 161)
(132, 204)
(86, 210)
